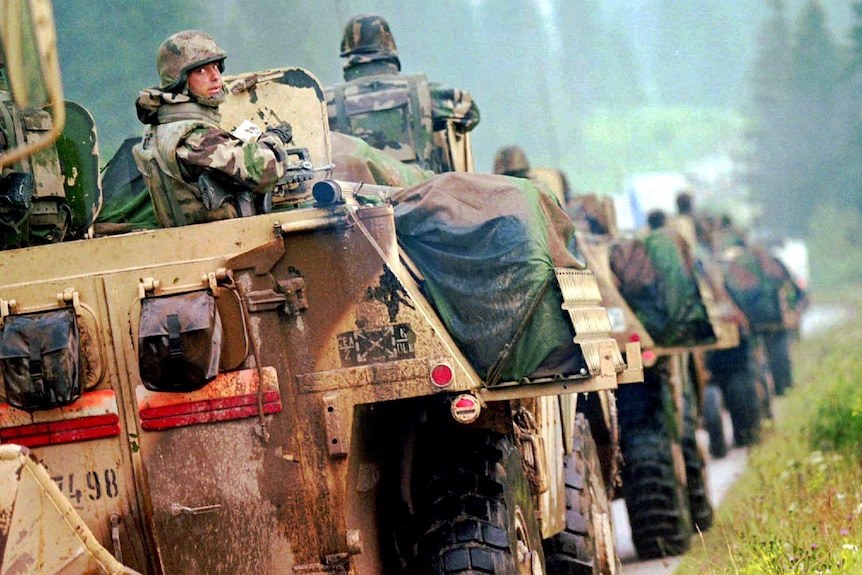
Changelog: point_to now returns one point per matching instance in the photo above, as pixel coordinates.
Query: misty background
(755, 100)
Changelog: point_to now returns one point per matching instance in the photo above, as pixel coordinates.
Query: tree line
(805, 151)
(538, 70)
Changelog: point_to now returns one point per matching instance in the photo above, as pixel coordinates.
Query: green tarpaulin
(125, 196)
(657, 279)
(486, 246)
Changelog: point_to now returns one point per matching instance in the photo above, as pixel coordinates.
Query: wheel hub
(528, 558)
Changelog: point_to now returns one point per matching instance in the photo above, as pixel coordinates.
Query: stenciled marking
(390, 343)
(95, 485)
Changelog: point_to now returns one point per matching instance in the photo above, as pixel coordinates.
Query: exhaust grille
(583, 301)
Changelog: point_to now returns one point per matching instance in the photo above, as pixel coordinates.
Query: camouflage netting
(486, 245)
(658, 282)
(761, 286)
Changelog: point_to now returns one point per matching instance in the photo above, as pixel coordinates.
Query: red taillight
(57, 432)
(466, 408)
(93, 416)
(442, 375)
(634, 337)
(231, 395)
(649, 355)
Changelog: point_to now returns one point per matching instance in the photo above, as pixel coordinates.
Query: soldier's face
(205, 81)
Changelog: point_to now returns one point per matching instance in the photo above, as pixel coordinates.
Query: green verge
(798, 506)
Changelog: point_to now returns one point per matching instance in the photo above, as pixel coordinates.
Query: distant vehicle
(645, 192)
(793, 253)
(281, 394)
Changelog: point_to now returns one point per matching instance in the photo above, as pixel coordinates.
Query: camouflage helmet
(511, 160)
(367, 38)
(183, 52)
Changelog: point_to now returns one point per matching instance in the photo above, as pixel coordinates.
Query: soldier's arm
(256, 165)
(456, 105)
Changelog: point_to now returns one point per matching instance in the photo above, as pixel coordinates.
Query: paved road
(721, 473)
(820, 318)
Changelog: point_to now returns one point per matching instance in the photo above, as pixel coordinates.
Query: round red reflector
(442, 375)
(649, 355)
(634, 337)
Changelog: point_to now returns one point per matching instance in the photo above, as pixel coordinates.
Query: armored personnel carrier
(299, 390)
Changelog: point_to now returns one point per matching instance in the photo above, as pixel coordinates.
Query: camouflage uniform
(33, 205)
(183, 139)
(393, 112)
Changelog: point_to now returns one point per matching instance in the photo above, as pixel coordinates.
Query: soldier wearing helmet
(512, 161)
(367, 39)
(405, 115)
(183, 140)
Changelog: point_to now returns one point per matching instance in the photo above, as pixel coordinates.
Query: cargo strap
(255, 351)
(505, 355)
(35, 359)
(177, 353)
(173, 205)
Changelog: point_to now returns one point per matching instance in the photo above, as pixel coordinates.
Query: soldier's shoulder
(203, 137)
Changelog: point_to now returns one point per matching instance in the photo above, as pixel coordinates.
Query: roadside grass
(798, 506)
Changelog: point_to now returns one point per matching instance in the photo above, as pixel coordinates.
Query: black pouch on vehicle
(179, 341)
(39, 359)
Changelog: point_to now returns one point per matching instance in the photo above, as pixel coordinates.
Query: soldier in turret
(405, 115)
(512, 161)
(183, 139)
(33, 205)
(684, 221)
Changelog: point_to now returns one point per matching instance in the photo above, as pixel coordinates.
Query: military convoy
(348, 383)
(663, 480)
(284, 392)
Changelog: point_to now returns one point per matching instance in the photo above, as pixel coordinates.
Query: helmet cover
(182, 53)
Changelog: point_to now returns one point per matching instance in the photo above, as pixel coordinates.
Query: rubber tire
(700, 506)
(470, 492)
(778, 351)
(657, 504)
(713, 421)
(587, 546)
(655, 495)
(743, 403)
(763, 379)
